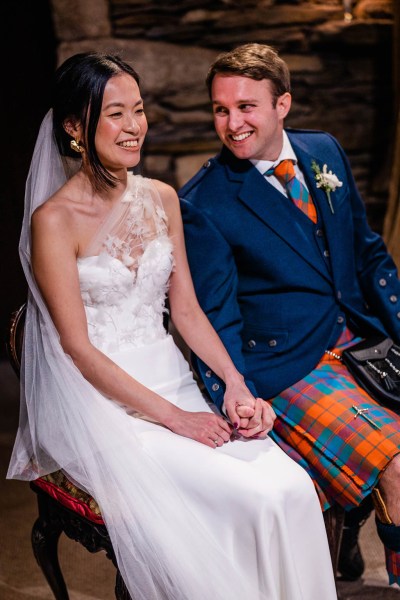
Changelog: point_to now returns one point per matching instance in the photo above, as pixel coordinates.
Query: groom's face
(245, 117)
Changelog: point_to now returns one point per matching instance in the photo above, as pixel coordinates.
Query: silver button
(208, 373)
(251, 343)
(382, 282)
(339, 295)
(393, 298)
(398, 315)
(326, 253)
(319, 233)
(207, 164)
(215, 387)
(340, 319)
(272, 343)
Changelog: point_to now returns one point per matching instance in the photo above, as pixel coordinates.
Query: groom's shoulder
(202, 177)
(311, 138)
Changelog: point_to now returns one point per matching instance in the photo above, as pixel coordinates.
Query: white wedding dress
(187, 522)
(258, 505)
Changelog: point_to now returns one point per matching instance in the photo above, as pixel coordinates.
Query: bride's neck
(108, 194)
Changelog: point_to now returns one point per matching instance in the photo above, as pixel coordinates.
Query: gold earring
(76, 146)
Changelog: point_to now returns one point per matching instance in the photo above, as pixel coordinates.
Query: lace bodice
(125, 280)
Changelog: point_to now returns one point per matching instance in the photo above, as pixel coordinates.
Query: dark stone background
(342, 78)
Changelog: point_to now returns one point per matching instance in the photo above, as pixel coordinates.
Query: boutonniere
(326, 180)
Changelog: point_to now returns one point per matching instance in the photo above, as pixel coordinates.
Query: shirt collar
(287, 152)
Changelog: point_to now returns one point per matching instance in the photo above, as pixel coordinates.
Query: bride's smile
(122, 125)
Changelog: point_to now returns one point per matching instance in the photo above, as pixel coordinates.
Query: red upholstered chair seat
(60, 488)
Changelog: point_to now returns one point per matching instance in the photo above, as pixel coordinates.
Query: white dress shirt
(287, 152)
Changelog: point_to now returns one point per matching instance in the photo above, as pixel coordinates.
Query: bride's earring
(76, 146)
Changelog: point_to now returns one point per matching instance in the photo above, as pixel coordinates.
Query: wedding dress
(187, 522)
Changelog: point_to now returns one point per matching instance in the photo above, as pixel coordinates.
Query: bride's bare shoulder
(56, 211)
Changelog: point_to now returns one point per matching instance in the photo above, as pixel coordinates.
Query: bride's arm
(200, 336)
(54, 252)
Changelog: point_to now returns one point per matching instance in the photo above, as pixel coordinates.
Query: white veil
(62, 426)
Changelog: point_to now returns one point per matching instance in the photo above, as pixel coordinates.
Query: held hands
(260, 423)
(251, 417)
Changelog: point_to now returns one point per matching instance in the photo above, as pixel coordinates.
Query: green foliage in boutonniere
(326, 180)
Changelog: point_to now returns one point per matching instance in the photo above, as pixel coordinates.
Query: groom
(286, 268)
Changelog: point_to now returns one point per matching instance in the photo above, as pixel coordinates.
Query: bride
(198, 506)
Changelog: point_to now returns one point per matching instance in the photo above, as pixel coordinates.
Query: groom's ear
(283, 105)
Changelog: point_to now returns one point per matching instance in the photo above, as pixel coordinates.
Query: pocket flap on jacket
(265, 340)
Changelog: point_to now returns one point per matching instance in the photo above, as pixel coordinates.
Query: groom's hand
(260, 423)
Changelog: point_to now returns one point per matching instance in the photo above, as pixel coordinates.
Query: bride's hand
(206, 428)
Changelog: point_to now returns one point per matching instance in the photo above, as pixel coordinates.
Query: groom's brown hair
(256, 61)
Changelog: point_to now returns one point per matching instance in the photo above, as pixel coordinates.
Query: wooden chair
(334, 523)
(63, 508)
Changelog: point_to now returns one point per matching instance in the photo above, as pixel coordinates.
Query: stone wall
(341, 71)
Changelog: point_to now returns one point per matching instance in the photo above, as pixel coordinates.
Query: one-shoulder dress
(187, 521)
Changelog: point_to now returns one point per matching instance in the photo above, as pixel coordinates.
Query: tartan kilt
(318, 427)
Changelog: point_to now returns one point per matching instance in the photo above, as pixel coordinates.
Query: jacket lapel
(276, 211)
(334, 241)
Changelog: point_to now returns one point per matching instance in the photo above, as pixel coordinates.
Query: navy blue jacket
(276, 287)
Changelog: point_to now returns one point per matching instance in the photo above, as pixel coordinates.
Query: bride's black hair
(78, 94)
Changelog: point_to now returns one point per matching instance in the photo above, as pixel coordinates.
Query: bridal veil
(65, 425)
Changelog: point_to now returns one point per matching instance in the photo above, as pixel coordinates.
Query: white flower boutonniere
(326, 180)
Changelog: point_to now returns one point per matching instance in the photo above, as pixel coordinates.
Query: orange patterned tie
(286, 175)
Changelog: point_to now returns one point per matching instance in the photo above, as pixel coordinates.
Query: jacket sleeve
(376, 270)
(215, 279)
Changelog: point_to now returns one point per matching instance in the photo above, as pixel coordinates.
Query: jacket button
(382, 282)
(326, 253)
(251, 343)
(215, 387)
(398, 315)
(272, 343)
(207, 164)
(208, 373)
(319, 233)
(393, 298)
(340, 319)
(339, 295)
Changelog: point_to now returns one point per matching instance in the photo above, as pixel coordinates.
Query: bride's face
(122, 124)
